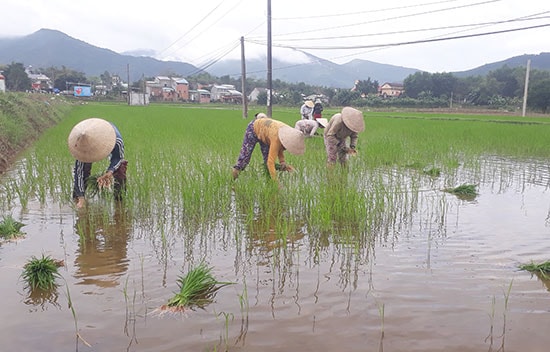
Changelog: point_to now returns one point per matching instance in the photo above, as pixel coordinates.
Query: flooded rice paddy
(440, 274)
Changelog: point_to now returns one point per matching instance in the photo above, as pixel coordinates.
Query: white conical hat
(92, 140)
(322, 121)
(353, 119)
(292, 139)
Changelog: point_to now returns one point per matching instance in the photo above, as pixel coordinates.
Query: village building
(166, 88)
(200, 96)
(391, 90)
(226, 93)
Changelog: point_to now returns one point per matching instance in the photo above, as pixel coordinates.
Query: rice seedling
(41, 273)
(464, 190)
(196, 289)
(93, 189)
(542, 270)
(433, 172)
(10, 228)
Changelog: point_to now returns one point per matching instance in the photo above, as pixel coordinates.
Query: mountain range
(51, 48)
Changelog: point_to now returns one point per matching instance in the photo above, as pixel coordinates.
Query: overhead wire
(385, 19)
(192, 28)
(339, 37)
(407, 42)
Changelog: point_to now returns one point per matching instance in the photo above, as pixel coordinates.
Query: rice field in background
(318, 235)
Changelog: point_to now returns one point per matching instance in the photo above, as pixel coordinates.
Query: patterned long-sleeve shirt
(267, 131)
(336, 128)
(306, 112)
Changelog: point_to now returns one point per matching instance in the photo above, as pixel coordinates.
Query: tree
(539, 95)
(366, 87)
(16, 77)
(67, 78)
(443, 84)
(417, 83)
(345, 97)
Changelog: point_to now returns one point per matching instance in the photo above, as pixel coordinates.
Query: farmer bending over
(92, 140)
(309, 127)
(342, 126)
(274, 137)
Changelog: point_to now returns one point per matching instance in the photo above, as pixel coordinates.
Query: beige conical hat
(353, 119)
(292, 139)
(92, 140)
(322, 121)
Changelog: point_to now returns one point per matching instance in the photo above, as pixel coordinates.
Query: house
(253, 96)
(391, 90)
(2, 83)
(168, 88)
(182, 89)
(226, 93)
(201, 96)
(39, 81)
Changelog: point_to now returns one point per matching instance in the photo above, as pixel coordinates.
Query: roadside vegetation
(23, 119)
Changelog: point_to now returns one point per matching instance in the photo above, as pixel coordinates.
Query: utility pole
(128, 89)
(269, 68)
(243, 80)
(526, 87)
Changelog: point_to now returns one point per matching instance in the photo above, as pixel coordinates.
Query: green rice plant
(541, 269)
(41, 273)
(196, 289)
(93, 189)
(464, 190)
(10, 228)
(433, 172)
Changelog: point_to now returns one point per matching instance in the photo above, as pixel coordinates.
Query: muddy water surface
(446, 279)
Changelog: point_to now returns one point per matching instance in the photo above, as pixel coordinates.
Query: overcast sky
(408, 33)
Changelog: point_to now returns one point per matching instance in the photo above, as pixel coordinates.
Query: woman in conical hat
(309, 127)
(274, 138)
(306, 110)
(341, 127)
(92, 140)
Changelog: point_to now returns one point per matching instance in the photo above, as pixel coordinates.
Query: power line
(386, 19)
(192, 28)
(419, 30)
(217, 20)
(404, 43)
(363, 12)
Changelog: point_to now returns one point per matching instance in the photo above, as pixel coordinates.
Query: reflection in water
(42, 298)
(101, 258)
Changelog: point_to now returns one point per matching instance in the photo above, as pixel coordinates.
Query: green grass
(196, 289)
(540, 269)
(41, 273)
(10, 228)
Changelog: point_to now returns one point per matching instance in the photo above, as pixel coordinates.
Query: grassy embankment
(23, 118)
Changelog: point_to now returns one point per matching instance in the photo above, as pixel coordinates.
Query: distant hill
(46, 48)
(538, 62)
(317, 71)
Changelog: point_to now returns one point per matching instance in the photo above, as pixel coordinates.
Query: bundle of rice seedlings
(464, 190)
(542, 270)
(10, 228)
(93, 189)
(40, 273)
(197, 289)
